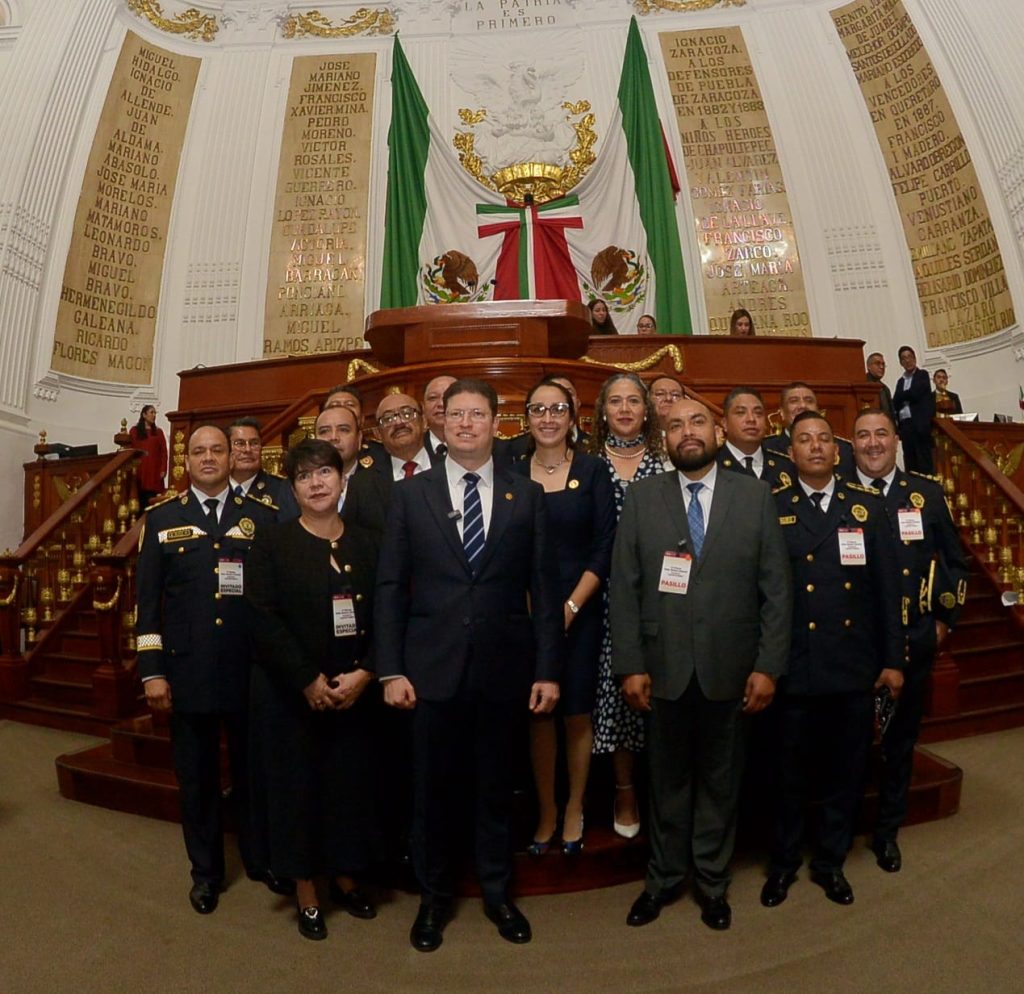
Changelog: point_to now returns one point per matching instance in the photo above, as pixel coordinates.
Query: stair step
(80, 643)
(62, 690)
(979, 722)
(70, 718)
(993, 690)
(66, 665)
(983, 660)
(136, 741)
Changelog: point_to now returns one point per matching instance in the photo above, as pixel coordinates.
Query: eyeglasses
(555, 410)
(402, 414)
(246, 443)
(474, 415)
(667, 394)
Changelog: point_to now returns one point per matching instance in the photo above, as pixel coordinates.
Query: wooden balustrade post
(14, 683)
(114, 685)
(944, 686)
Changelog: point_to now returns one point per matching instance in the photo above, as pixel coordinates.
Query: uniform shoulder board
(263, 501)
(863, 489)
(366, 462)
(164, 499)
(925, 476)
(785, 485)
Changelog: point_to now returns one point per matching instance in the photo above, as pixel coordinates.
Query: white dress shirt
(422, 460)
(704, 496)
(908, 379)
(828, 492)
(757, 455)
(222, 499)
(869, 481)
(457, 490)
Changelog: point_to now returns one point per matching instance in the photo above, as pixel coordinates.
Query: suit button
(906, 542)
(217, 596)
(466, 621)
(906, 572)
(810, 588)
(359, 597)
(847, 622)
(347, 567)
(216, 545)
(181, 548)
(216, 569)
(810, 557)
(812, 626)
(362, 631)
(219, 621)
(847, 585)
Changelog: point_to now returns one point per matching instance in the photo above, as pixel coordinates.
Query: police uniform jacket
(778, 470)
(188, 631)
(846, 620)
(276, 493)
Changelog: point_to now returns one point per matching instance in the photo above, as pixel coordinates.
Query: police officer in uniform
(248, 475)
(795, 398)
(194, 653)
(847, 642)
(934, 580)
(744, 451)
(371, 451)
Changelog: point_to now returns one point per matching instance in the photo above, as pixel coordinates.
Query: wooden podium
(556, 329)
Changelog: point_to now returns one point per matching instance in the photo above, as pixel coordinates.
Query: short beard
(687, 464)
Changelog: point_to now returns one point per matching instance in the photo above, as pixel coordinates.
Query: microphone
(681, 544)
(454, 515)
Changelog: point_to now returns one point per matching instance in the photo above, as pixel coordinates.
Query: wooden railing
(52, 572)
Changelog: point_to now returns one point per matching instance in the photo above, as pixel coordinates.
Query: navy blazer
(920, 399)
(438, 622)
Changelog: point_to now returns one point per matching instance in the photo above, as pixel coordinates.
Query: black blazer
(436, 619)
(920, 399)
(290, 589)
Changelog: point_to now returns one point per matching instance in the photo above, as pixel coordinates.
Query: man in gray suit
(701, 599)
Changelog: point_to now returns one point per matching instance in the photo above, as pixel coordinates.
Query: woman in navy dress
(581, 518)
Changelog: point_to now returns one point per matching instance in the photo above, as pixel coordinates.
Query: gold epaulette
(164, 499)
(925, 476)
(785, 486)
(263, 501)
(863, 489)
(843, 438)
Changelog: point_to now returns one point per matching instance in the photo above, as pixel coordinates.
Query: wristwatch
(573, 606)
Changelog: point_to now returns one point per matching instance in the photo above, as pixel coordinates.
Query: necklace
(551, 469)
(618, 454)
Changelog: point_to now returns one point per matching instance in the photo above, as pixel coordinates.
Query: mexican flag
(613, 236)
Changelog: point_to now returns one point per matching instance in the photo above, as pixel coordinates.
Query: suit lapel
(672, 494)
(720, 500)
(502, 504)
(440, 503)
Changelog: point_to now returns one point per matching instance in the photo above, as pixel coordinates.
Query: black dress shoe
(888, 856)
(427, 932)
(645, 909)
(274, 883)
(511, 922)
(354, 901)
(715, 912)
(204, 896)
(776, 888)
(835, 885)
(312, 924)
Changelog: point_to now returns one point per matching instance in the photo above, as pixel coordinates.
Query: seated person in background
(601, 319)
(665, 391)
(339, 425)
(346, 395)
(946, 402)
(741, 324)
(646, 325)
(311, 583)
(795, 398)
(746, 426)
(433, 412)
(248, 477)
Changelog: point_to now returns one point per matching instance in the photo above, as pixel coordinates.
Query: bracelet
(573, 606)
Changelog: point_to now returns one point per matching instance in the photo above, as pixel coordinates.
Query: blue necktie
(472, 520)
(695, 518)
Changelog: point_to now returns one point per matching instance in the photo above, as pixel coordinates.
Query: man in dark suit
(347, 395)
(433, 411)
(744, 451)
(248, 475)
(914, 406)
(468, 632)
(700, 605)
(944, 401)
(846, 643)
(934, 580)
(194, 652)
(796, 398)
(876, 375)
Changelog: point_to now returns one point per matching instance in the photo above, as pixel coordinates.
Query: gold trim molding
(683, 6)
(190, 23)
(359, 367)
(364, 21)
(643, 364)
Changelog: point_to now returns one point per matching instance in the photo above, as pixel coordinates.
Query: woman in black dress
(581, 519)
(311, 582)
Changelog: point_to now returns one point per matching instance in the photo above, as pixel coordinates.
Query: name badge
(675, 573)
(230, 581)
(851, 547)
(344, 616)
(911, 525)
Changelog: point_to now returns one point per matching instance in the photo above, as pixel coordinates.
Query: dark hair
(608, 327)
(245, 423)
(531, 442)
(311, 453)
(348, 388)
(806, 416)
(869, 411)
(469, 385)
(654, 320)
(936, 373)
(141, 428)
(740, 312)
(795, 385)
(906, 348)
(671, 379)
(651, 431)
(873, 354)
(738, 392)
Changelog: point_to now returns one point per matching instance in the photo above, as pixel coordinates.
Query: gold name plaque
(316, 276)
(958, 267)
(748, 247)
(106, 317)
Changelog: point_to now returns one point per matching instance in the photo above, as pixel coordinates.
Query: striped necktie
(695, 518)
(472, 520)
